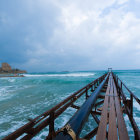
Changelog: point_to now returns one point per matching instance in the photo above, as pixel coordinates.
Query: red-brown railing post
(51, 126)
(91, 88)
(121, 85)
(131, 105)
(86, 93)
(97, 82)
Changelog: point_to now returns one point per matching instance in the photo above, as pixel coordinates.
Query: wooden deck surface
(112, 125)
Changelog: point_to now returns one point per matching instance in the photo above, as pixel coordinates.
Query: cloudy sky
(57, 35)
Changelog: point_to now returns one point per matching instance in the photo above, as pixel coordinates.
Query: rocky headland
(7, 71)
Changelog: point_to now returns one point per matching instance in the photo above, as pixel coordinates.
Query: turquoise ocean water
(29, 96)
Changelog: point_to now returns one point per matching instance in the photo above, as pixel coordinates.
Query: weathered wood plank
(101, 133)
(112, 104)
(122, 131)
(112, 131)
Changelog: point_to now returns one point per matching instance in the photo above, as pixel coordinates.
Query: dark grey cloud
(22, 25)
(45, 35)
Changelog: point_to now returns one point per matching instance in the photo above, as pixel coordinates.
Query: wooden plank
(122, 131)
(101, 133)
(112, 131)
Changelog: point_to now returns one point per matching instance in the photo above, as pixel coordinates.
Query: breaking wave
(61, 75)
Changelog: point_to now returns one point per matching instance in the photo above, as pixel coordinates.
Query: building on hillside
(6, 68)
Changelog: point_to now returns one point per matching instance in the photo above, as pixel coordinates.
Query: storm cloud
(57, 35)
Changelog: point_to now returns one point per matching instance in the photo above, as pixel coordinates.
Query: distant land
(7, 71)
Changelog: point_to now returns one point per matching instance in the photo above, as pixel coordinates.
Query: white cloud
(116, 32)
(81, 34)
(122, 1)
(137, 0)
(115, 27)
(71, 18)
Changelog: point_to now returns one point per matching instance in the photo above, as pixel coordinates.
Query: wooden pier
(112, 116)
(105, 101)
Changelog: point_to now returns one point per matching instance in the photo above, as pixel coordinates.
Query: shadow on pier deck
(108, 113)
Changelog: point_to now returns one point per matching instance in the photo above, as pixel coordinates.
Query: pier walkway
(105, 101)
(112, 116)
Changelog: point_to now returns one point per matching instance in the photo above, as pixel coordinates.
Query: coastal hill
(6, 69)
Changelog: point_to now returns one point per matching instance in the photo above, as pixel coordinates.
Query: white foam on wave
(11, 80)
(61, 75)
(8, 79)
(136, 105)
(11, 129)
(4, 94)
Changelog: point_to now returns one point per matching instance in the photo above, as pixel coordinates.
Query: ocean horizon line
(67, 71)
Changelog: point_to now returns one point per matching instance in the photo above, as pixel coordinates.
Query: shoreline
(5, 76)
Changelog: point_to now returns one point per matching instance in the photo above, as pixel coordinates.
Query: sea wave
(11, 129)
(4, 92)
(61, 75)
(11, 80)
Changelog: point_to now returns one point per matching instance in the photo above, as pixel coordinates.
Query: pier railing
(34, 126)
(73, 127)
(128, 103)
